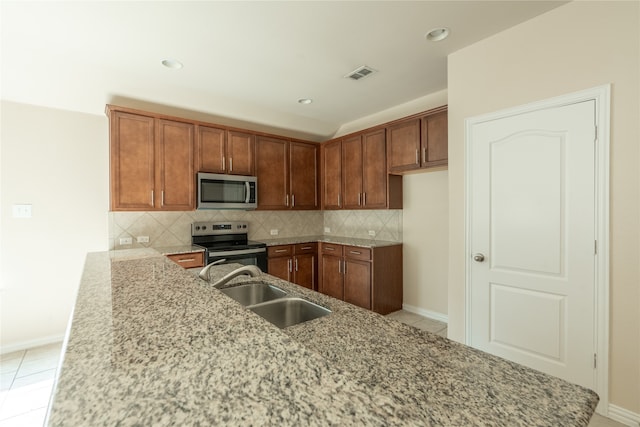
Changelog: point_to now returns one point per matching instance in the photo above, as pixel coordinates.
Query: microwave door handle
(248, 192)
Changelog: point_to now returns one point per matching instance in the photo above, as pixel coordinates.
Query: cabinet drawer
(357, 252)
(188, 260)
(305, 248)
(280, 250)
(332, 249)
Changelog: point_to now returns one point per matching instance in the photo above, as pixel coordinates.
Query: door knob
(478, 257)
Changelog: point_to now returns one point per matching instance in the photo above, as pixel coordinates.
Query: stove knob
(244, 226)
(204, 227)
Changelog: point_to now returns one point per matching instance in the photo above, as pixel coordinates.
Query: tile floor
(27, 378)
(26, 382)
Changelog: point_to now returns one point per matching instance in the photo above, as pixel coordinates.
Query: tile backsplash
(174, 228)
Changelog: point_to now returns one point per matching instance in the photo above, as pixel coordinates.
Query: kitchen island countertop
(151, 344)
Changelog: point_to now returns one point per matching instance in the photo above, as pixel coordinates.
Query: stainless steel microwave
(218, 191)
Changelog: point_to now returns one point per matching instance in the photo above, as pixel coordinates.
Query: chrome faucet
(205, 273)
(249, 270)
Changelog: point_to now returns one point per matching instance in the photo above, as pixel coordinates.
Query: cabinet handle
(286, 200)
(296, 264)
(355, 252)
(289, 264)
(364, 199)
(424, 155)
(223, 163)
(344, 267)
(306, 248)
(417, 157)
(230, 164)
(187, 260)
(153, 199)
(339, 267)
(359, 199)
(162, 197)
(293, 200)
(281, 250)
(338, 199)
(329, 248)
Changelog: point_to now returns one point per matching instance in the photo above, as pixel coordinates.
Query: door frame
(602, 97)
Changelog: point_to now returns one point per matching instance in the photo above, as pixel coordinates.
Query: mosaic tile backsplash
(174, 228)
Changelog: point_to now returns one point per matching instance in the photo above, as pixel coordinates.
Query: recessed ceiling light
(437, 34)
(172, 63)
(305, 101)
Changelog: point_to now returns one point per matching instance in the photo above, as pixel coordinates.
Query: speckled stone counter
(151, 344)
(352, 241)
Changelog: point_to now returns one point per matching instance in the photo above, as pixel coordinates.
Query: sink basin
(285, 312)
(253, 293)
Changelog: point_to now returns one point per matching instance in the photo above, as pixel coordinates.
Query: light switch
(22, 211)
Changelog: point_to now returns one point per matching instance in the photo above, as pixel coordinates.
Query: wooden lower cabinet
(294, 263)
(188, 259)
(370, 278)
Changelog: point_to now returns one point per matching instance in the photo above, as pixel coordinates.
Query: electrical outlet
(22, 211)
(126, 240)
(274, 232)
(143, 239)
(372, 233)
(327, 230)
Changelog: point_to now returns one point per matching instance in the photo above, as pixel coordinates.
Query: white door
(532, 233)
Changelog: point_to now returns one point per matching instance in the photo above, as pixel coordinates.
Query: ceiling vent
(361, 72)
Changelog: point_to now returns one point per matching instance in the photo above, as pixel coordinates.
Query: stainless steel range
(228, 241)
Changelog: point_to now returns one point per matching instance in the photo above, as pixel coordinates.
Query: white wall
(577, 46)
(57, 161)
(425, 243)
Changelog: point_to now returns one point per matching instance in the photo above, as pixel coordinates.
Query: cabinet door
(272, 157)
(304, 270)
(403, 146)
(211, 150)
(176, 177)
(240, 152)
(357, 283)
(280, 267)
(352, 172)
(374, 170)
(332, 283)
(303, 169)
(332, 175)
(132, 146)
(435, 140)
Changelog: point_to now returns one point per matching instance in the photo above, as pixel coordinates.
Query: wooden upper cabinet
(418, 143)
(352, 172)
(175, 176)
(151, 163)
(132, 161)
(332, 175)
(225, 151)
(374, 170)
(272, 170)
(211, 149)
(303, 175)
(403, 146)
(364, 173)
(287, 174)
(435, 140)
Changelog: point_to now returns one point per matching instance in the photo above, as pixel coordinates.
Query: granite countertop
(151, 344)
(352, 241)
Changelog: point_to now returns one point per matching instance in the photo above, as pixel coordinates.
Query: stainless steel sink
(253, 293)
(285, 312)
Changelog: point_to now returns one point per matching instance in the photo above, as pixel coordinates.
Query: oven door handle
(246, 200)
(238, 252)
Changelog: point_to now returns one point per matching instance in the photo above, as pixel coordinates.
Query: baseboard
(426, 313)
(26, 345)
(623, 416)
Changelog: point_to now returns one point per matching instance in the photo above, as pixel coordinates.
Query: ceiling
(244, 62)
